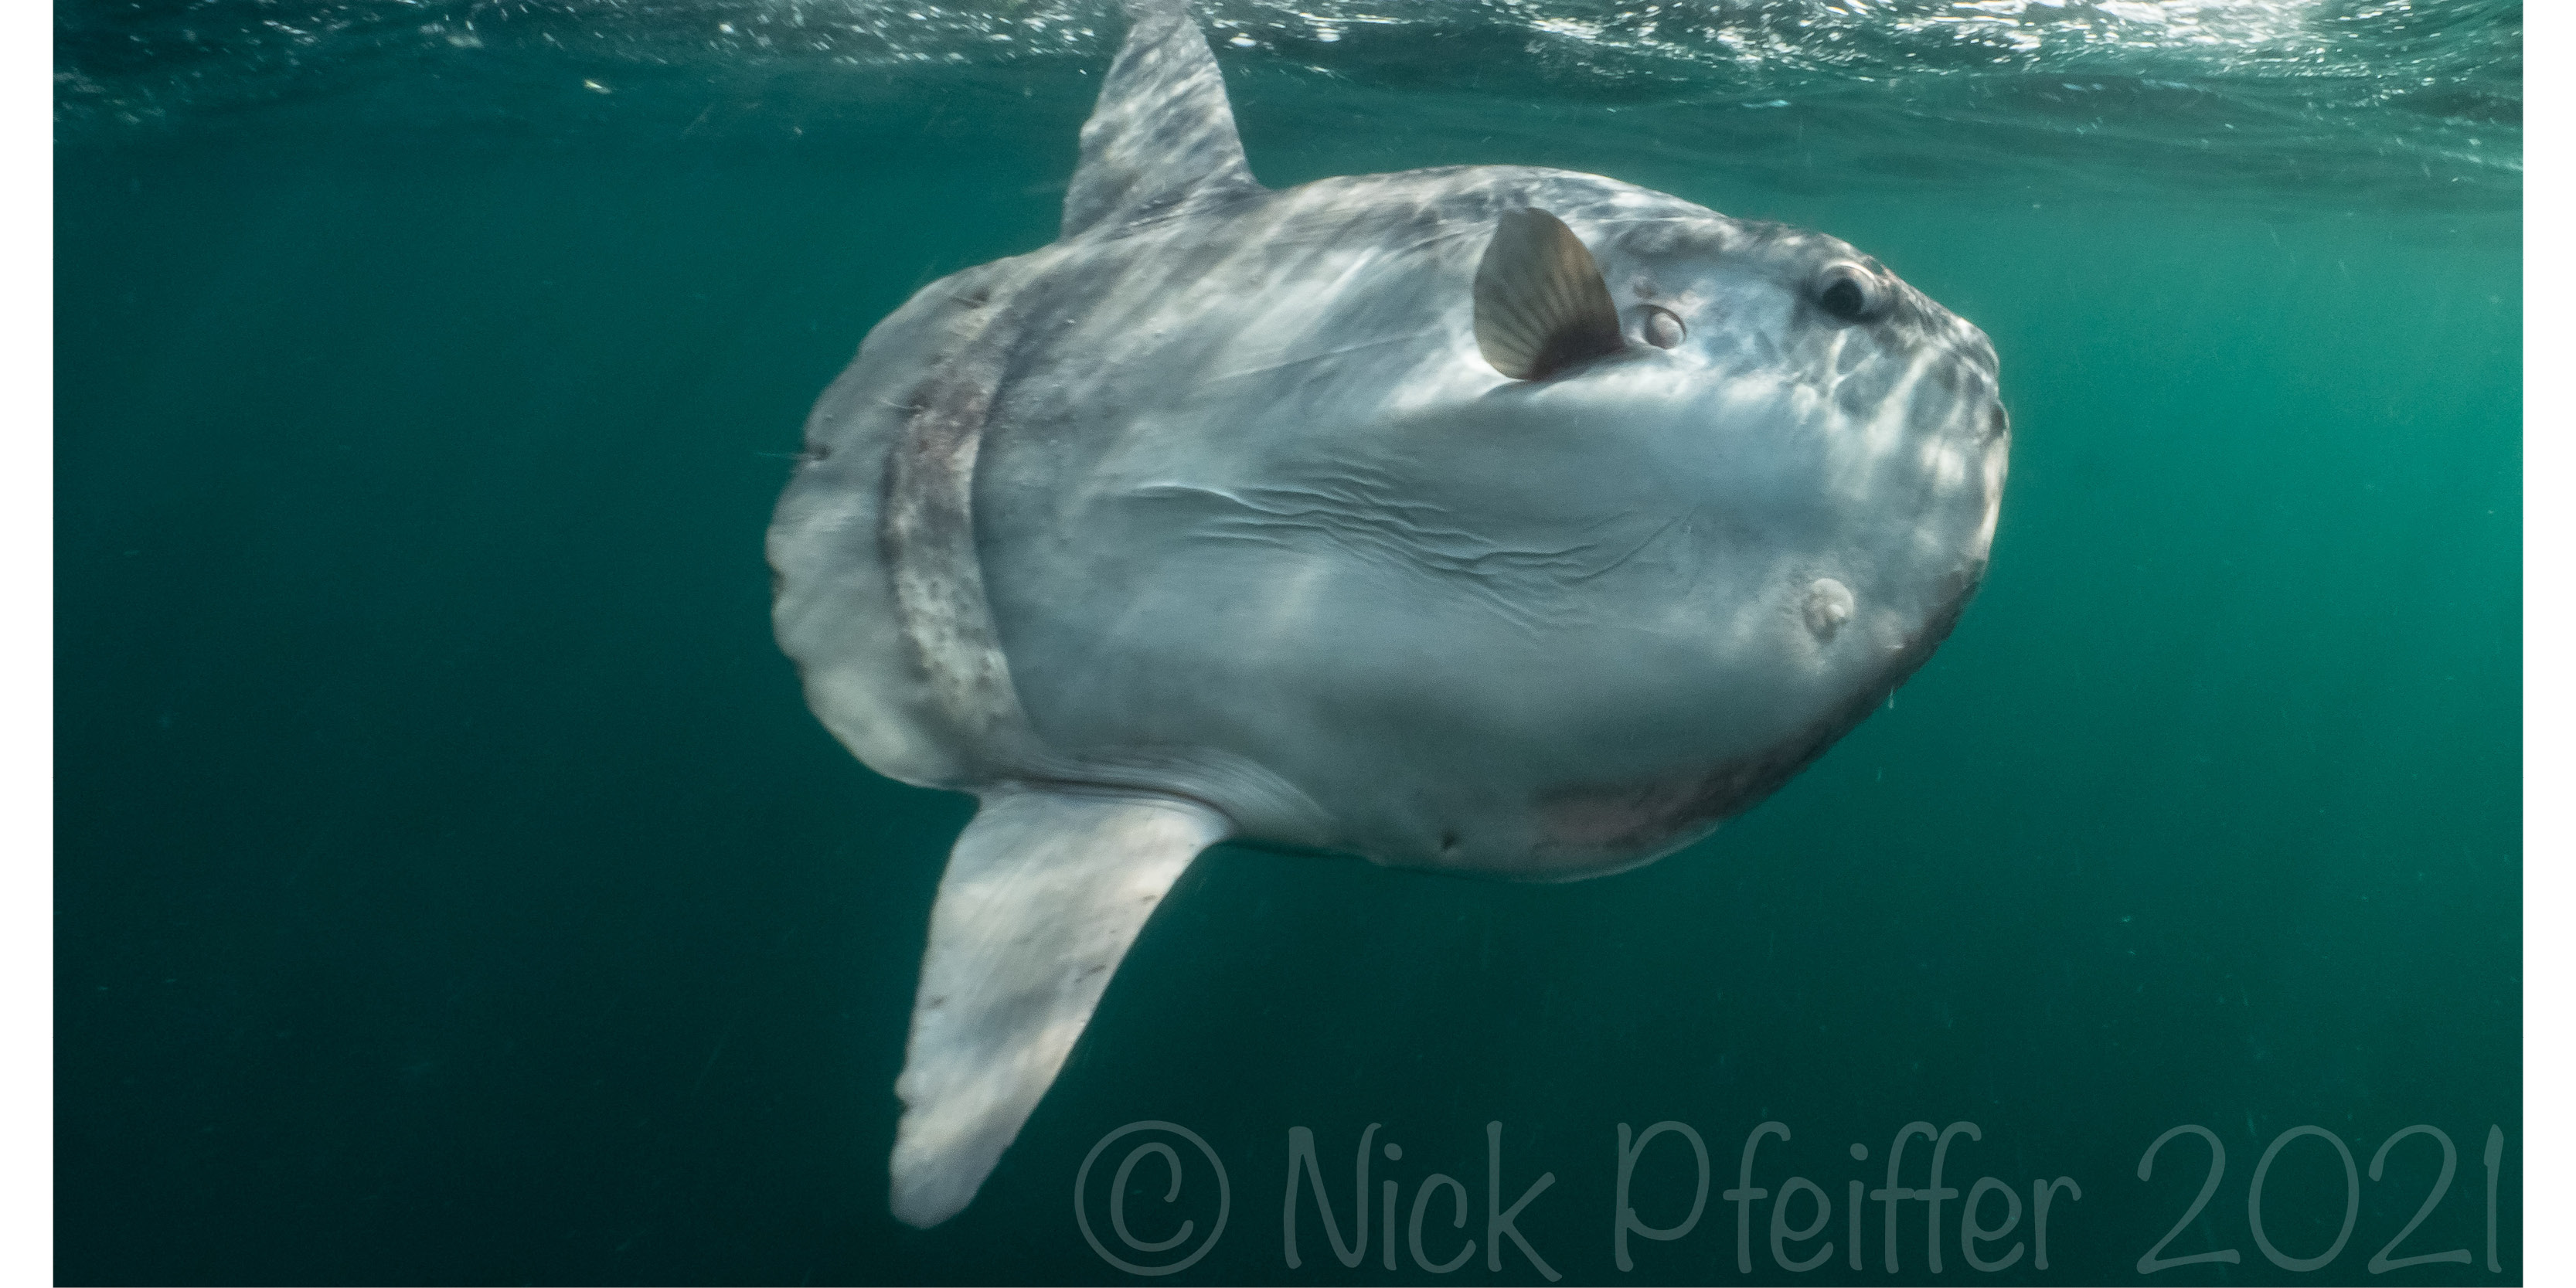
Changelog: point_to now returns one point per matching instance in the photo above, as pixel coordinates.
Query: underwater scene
(464, 873)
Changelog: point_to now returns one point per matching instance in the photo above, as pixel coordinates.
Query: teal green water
(452, 887)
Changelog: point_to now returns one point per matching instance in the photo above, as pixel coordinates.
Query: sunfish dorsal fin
(1044, 892)
(1162, 131)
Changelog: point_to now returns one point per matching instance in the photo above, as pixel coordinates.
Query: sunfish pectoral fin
(1541, 304)
(1044, 892)
(1162, 130)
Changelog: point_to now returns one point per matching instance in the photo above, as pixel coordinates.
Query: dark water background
(452, 886)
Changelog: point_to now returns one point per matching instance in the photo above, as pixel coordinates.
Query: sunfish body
(1490, 520)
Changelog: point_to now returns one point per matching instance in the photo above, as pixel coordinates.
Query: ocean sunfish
(1489, 519)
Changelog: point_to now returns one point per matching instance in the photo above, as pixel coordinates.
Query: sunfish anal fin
(1162, 131)
(1043, 894)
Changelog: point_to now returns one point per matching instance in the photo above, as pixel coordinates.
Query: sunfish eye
(1849, 292)
(1661, 327)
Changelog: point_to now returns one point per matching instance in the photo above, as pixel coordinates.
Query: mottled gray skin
(1214, 519)
(1258, 526)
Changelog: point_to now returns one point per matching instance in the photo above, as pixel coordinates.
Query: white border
(27, 648)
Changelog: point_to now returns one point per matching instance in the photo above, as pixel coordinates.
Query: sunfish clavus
(1487, 519)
